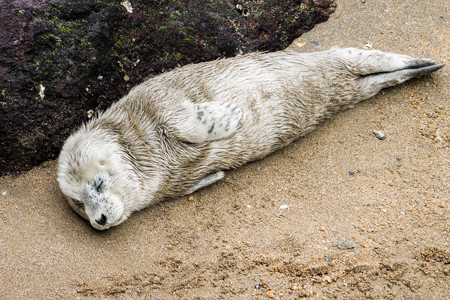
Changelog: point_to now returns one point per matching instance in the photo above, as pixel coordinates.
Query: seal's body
(176, 132)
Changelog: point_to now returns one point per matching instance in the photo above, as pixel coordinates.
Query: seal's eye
(98, 185)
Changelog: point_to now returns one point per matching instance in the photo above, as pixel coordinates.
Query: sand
(233, 241)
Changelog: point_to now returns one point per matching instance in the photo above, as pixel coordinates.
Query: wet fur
(147, 146)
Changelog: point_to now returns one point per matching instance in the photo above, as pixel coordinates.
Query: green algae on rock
(60, 60)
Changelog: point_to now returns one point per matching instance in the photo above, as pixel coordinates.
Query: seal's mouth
(106, 226)
(100, 227)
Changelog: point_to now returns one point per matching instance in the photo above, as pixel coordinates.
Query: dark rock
(87, 54)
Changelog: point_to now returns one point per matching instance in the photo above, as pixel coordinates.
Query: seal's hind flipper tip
(440, 66)
(427, 69)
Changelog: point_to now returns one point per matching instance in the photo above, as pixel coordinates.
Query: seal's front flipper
(209, 121)
(205, 181)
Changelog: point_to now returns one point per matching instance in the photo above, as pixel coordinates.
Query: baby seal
(175, 133)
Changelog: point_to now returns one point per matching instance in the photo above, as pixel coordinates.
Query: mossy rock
(60, 60)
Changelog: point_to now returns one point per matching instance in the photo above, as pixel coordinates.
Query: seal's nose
(102, 220)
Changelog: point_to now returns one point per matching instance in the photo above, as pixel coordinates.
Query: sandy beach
(338, 214)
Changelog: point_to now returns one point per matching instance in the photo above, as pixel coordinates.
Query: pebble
(90, 113)
(379, 134)
(242, 10)
(284, 206)
(343, 243)
(351, 173)
(127, 6)
(315, 43)
(363, 1)
(270, 294)
(4, 193)
(41, 91)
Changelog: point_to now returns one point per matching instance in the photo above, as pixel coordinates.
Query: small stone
(363, 1)
(4, 193)
(315, 43)
(379, 134)
(126, 78)
(41, 91)
(284, 206)
(343, 243)
(326, 279)
(270, 294)
(127, 6)
(242, 10)
(351, 173)
(191, 198)
(257, 286)
(90, 113)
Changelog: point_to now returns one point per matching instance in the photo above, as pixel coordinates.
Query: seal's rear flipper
(366, 62)
(373, 83)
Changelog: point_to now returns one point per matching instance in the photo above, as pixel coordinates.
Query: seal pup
(175, 133)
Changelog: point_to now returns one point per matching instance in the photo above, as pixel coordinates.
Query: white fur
(176, 132)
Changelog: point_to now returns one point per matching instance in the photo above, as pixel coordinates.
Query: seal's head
(91, 177)
(98, 203)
